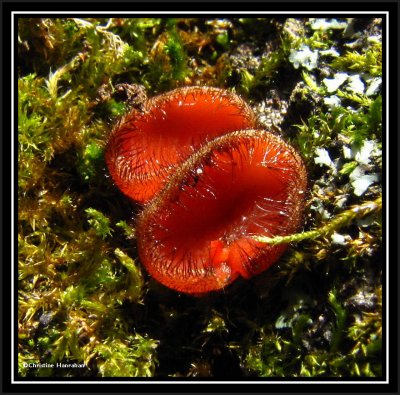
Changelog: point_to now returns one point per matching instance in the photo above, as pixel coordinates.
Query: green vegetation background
(83, 295)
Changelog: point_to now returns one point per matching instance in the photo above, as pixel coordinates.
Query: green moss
(316, 132)
(340, 325)
(175, 50)
(90, 161)
(369, 60)
(99, 223)
(357, 126)
(133, 288)
(266, 71)
(130, 358)
(290, 354)
(345, 218)
(128, 230)
(216, 324)
(116, 109)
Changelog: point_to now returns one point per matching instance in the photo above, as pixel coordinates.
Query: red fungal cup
(198, 233)
(146, 147)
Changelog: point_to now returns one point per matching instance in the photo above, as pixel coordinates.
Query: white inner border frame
(385, 45)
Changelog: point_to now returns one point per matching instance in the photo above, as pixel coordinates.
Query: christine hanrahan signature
(33, 365)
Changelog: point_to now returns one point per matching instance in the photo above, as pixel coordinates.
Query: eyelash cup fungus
(211, 183)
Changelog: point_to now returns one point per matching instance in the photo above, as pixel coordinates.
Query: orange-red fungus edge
(197, 234)
(146, 146)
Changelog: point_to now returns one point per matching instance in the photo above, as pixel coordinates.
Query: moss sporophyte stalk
(298, 294)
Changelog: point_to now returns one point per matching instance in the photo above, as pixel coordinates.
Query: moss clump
(368, 60)
(71, 286)
(99, 222)
(135, 358)
(294, 354)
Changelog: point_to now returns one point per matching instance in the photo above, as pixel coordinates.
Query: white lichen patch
(330, 52)
(304, 57)
(373, 86)
(361, 181)
(323, 158)
(326, 24)
(333, 84)
(363, 155)
(355, 84)
(332, 102)
(347, 152)
(375, 39)
(339, 239)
